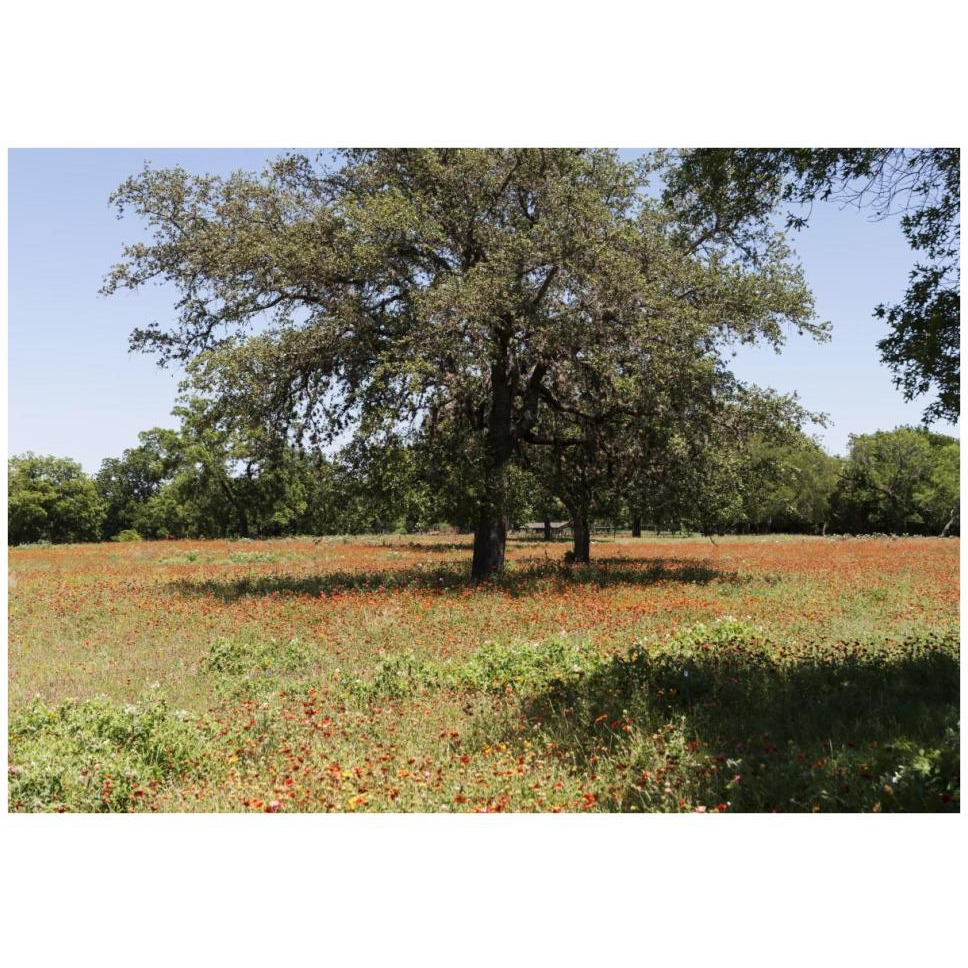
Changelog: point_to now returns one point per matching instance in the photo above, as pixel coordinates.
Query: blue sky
(75, 390)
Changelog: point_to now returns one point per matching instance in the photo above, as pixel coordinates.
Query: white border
(730, 890)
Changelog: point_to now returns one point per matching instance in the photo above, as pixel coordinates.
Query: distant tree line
(200, 482)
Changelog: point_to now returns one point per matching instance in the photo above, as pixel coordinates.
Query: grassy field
(757, 674)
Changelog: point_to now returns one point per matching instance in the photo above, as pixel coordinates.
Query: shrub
(240, 657)
(519, 666)
(98, 755)
(128, 534)
(402, 675)
(523, 666)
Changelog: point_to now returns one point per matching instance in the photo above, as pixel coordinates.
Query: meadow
(773, 673)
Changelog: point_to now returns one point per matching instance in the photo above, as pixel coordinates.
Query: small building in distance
(556, 527)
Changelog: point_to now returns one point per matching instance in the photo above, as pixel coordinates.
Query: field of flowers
(756, 674)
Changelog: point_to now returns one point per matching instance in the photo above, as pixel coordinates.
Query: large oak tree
(392, 289)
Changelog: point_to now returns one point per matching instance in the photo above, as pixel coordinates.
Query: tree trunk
(637, 527)
(547, 529)
(491, 529)
(582, 535)
(490, 536)
(951, 521)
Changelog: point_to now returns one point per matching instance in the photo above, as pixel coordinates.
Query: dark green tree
(713, 468)
(900, 481)
(128, 483)
(793, 486)
(207, 479)
(230, 480)
(51, 499)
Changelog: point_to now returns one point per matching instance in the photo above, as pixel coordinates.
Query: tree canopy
(920, 185)
(900, 481)
(51, 499)
(479, 291)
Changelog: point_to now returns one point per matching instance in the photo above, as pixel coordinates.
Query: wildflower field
(369, 674)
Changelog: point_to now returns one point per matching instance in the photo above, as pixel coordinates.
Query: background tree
(229, 480)
(382, 489)
(794, 484)
(128, 483)
(611, 437)
(712, 469)
(210, 480)
(713, 186)
(406, 283)
(939, 495)
(51, 499)
(899, 481)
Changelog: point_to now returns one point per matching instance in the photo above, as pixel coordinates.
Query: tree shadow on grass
(455, 578)
(848, 727)
(441, 546)
(427, 546)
